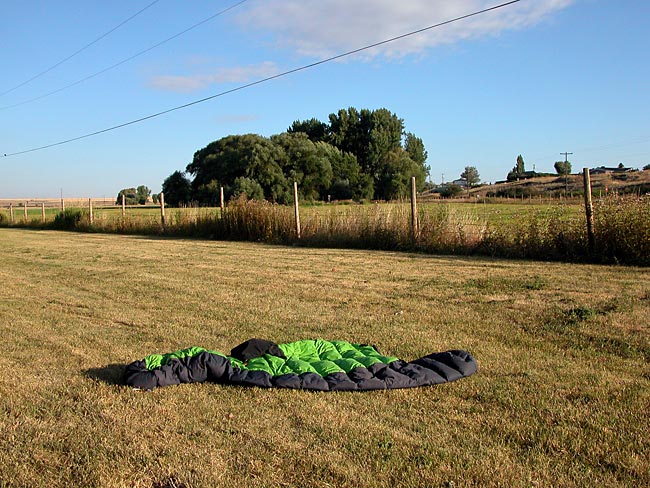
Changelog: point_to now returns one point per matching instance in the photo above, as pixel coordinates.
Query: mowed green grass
(561, 397)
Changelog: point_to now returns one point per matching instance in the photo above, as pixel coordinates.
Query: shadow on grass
(113, 374)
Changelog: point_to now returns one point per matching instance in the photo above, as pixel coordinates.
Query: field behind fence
(610, 229)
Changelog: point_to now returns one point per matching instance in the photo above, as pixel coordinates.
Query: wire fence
(611, 229)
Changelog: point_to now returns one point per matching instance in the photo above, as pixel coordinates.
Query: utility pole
(566, 160)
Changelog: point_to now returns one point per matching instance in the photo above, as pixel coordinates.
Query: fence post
(589, 209)
(43, 211)
(162, 208)
(11, 213)
(90, 211)
(25, 212)
(124, 206)
(62, 205)
(415, 224)
(222, 204)
(295, 208)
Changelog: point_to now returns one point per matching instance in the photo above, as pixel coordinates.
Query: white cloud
(190, 83)
(327, 27)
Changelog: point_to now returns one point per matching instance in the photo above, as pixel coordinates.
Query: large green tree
(358, 154)
(177, 189)
(142, 193)
(250, 156)
(471, 175)
(316, 130)
(375, 138)
(306, 163)
(519, 169)
(397, 169)
(350, 132)
(348, 181)
(414, 146)
(130, 196)
(134, 196)
(562, 167)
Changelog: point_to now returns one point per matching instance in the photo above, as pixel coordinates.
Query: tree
(520, 166)
(562, 167)
(368, 134)
(471, 176)
(130, 197)
(449, 191)
(251, 156)
(518, 170)
(208, 194)
(360, 154)
(142, 194)
(251, 189)
(415, 148)
(306, 163)
(348, 180)
(314, 128)
(385, 137)
(350, 132)
(646, 167)
(395, 175)
(134, 196)
(177, 189)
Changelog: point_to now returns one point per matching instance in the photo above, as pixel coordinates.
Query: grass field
(561, 397)
(492, 213)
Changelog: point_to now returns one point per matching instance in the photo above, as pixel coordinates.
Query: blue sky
(536, 78)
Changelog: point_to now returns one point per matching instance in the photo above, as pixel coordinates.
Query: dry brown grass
(560, 399)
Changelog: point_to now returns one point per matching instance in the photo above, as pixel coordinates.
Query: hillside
(632, 182)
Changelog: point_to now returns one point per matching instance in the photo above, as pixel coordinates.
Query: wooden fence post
(90, 211)
(124, 206)
(162, 208)
(222, 203)
(415, 224)
(25, 212)
(43, 211)
(62, 205)
(11, 213)
(295, 208)
(589, 209)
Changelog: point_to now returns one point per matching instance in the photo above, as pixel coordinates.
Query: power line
(79, 50)
(264, 80)
(119, 63)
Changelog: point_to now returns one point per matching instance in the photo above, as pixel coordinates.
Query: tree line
(356, 154)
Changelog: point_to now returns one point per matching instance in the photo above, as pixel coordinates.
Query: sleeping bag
(308, 364)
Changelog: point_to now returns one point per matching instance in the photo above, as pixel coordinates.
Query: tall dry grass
(622, 229)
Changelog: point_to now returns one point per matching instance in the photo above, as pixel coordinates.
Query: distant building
(602, 170)
(462, 182)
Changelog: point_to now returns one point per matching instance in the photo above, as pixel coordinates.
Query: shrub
(449, 191)
(622, 230)
(68, 220)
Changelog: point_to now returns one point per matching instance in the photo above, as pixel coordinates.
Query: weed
(68, 220)
(555, 233)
